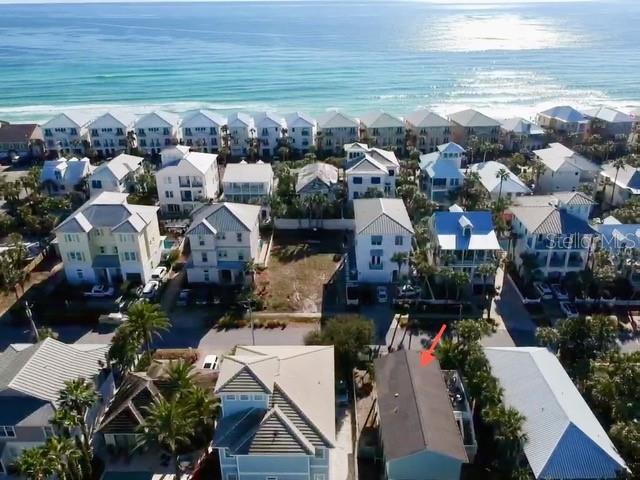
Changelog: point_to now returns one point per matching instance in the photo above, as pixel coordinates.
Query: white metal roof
(488, 172)
(381, 216)
(380, 119)
(557, 155)
(336, 120)
(426, 119)
(243, 172)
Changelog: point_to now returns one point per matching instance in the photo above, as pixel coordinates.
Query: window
(201, 240)
(319, 453)
(391, 173)
(230, 397)
(376, 239)
(258, 397)
(167, 180)
(102, 250)
(168, 194)
(48, 432)
(375, 180)
(7, 432)
(205, 257)
(96, 184)
(115, 250)
(222, 254)
(241, 256)
(80, 274)
(244, 398)
(357, 180)
(130, 256)
(239, 237)
(399, 239)
(221, 236)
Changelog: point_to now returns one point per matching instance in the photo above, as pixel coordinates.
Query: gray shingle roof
(521, 126)
(415, 409)
(381, 216)
(18, 132)
(564, 113)
(565, 440)
(609, 115)
(550, 220)
(426, 119)
(40, 370)
(379, 119)
(473, 118)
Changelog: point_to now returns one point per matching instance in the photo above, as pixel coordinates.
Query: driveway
(342, 455)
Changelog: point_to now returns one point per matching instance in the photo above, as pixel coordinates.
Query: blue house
(278, 413)
(441, 173)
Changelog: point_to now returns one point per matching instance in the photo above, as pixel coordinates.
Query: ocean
(311, 56)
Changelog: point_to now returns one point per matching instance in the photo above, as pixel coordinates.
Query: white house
(334, 130)
(269, 129)
(489, 173)
(202, 130)
(278, 418)
(440, 172)
(519, 134)
(426, 130)
(370, 170)
(157, 130)
(563, 170)
(382, 228)
(559, 240)
(67, 133)
(223, 237)
(186, 180)
(564, 438)
(609, 123)
(317, 178)
(242, 130)
(248, 183)
(471, 123)
(383, 129)
(108, 240)
(464, 241)
(116, 175)
(61, 176)
(32, 377)
(564, 120)
(302, 130)
(109, 133)
(626, 181)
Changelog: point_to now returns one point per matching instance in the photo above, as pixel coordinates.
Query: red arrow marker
(426, 356)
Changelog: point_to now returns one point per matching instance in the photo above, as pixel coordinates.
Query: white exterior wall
(363, 249)
(201, 133)
(428, 138)
(170, 191)
(154, 134)
(108, 136)
(387, 136)
(333, 139)
(387, 184)
(240, 135)
(109, 183)
(268, 133)
(60, 131)
(302, 137)
(566, 179)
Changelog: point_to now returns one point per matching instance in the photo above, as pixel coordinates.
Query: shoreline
(42, 113)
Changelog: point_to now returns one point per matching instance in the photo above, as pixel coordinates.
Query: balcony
(557, 260)
(575, 261)
(376, 266)
(184, 182)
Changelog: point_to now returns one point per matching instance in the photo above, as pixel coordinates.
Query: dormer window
(466, 225)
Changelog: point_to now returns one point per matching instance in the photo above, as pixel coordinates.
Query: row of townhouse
(72, 133)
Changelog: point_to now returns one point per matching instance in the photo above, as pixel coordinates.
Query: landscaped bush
(188, 355)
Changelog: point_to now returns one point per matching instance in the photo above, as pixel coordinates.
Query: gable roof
(123, 118)
(300, 380)
(627, 177)
(71, 171)
(366, 164)
(488, 172)
(17, 132)
(473, 118)
(609, 115)
(299, 119)
(40, 370)
(440, 167)
(564, 113)
(120, 166)
(550, 219)
(213, 117)
(554, 199)
(79, 119)
(557, 155)
(109, 209)
(414, 407)
(169, 119)
(380, 119)
(240, 119)
(263, 119)
(449, 228)
(520, 126)
(174, 160)
(323, 172)
(383, 158)
(244, 172)
(224, 217)
(336, 120)
(565, 440)
(426, 119)
(381, 216)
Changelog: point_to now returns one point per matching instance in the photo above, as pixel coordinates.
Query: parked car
(381, 294)
(342, 394)
(201, 297)
(569, 309)
(150, 290)
(559, 291)
(408, 291)
(100, 291)
(544, 290)
(115, 318)
(183, 297)
(210, 362)
(159, 273)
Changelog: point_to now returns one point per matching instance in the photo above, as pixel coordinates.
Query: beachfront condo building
(517, 134)
(381, 129)
(242, 132)
(202, 131)
(426, 130)
(186, 179)
(564, 120)
(67, 133)
(112, 133)
(107, 240)
(470, 123)
(609, 123)
(21, 140)
(157, 130)
(269, 129)
(334, 130)
(301, 130)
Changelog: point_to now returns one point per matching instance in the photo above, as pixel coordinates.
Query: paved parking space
(342, 454)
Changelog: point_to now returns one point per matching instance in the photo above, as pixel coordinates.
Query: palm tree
(205, 408)
(35, 463)
(502, 175)
(67, 455)
(64, 422)
(400, 258)
(425, 268)
(460, 279)
(446, 274)
(180, 377)
(124, 350)
(146, 321)
(77, 397)
(617, 164)
(473, 144)
(170, 425)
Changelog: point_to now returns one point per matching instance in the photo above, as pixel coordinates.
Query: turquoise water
(312, 56)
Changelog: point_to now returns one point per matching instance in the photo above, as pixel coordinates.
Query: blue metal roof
(448, 223)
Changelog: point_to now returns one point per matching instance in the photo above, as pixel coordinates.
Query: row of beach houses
(112, 133)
